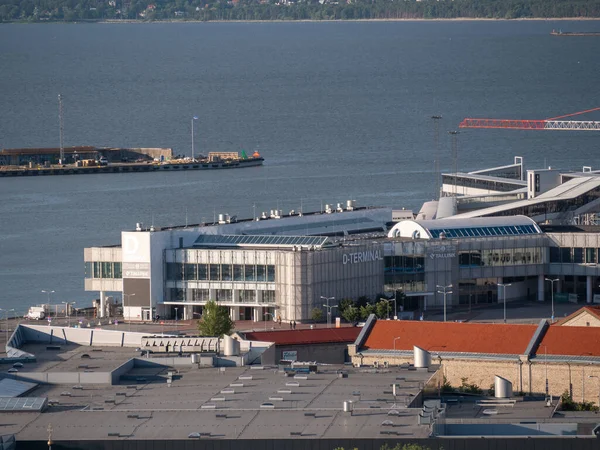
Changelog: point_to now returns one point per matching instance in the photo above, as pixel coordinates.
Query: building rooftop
(300, 337)
(450, 337)
(593, 310)
(570, 341)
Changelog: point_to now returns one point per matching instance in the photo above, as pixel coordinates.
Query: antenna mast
(61, 126)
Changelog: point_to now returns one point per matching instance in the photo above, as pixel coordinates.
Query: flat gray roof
(310, 408)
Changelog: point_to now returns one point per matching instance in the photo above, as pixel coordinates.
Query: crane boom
(546, 124)
(531, 124)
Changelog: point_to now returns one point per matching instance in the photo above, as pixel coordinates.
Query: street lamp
(552, 284)
(505, 285)
(48, 292)
(267, 314)
(445, 291)
(392, 300)
(129, 311)
(598, 378)
(329, 308)
(176, 318)
(395, 339)
(193, 118)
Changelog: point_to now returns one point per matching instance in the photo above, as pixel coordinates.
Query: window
(215, 272)
(565, 255)
(247, 296)
(174, 271)
(106, 270)
(268, 296)
(238, 272)
(202, 272)
(226, 272)
(88, 270)
(97, 273)
(200, 295)
(118, 270)
(590, 256)
(261, 273)
(224, 295)
(270, 273)
(555, 254)
(250, 273)
(190, 271)
(176, 295)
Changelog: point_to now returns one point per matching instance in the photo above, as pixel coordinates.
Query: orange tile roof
(451, 337)
(304, 337)
(571, 341)
(593, 310)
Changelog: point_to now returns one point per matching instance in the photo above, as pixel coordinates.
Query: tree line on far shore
(264, 10)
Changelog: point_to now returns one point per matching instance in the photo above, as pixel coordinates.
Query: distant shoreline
(456, 19)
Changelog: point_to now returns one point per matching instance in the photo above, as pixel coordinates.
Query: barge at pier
(574, 33)
(92, 160)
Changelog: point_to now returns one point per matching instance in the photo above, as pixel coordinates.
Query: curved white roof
(465, 228)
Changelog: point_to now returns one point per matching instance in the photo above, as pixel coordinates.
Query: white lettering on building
(360, 257)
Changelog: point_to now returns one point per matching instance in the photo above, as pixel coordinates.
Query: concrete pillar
(259, 297)
(236, 298)
(234, 313)
(212, 294)
(541, 288)
(256, 314)
(589, 292)
(102, 312)
(558, 286)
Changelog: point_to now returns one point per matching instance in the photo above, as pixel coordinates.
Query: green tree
(366, 311)
(382, 309)
(215, 320)
(316, 314)
(351, 314)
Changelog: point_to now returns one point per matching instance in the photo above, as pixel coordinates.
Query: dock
(92, 160)
(70, 169)
(575, 33)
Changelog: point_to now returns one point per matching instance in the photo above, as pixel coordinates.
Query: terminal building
(283, 266)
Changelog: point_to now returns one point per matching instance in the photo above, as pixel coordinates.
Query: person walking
(291, 325)
(294, 323)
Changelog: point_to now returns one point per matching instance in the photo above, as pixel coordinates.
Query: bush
(469, 388)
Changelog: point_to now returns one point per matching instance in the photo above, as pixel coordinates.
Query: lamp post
(392, 300)
(176, 318)
(48, 292)
(444, 291)
(193, 118)
(129, 311)
(597, 378)
(267, 314)
(552, 289)
(329, 308)
(505, 285)
(395, 339)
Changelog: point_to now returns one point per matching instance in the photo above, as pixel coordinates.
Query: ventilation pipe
(422, 358)
(502, 387)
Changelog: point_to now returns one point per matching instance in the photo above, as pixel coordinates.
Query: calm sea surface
(339, 110)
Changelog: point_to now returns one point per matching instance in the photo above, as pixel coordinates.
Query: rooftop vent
(502, 387)
(350, 205)
(422, 358)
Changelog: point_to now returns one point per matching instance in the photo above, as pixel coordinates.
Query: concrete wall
(115, 375)
(527, 376)
(66, 378)
(81, 336)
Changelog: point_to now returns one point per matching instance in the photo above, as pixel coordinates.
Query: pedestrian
(291, 325)
(294, 324)
(279, 320)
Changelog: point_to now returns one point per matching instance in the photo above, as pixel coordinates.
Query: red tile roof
(571, 341)
(299, 337)
(593, 310)
(451, 337)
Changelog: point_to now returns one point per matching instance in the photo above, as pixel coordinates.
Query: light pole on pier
(193, 118)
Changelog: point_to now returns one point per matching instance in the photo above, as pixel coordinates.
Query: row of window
(481, 183)
(100, 269)
(220, 272)
(404, 264)
(575, 255)
(509, 230)
(219, 295)
(504, 257)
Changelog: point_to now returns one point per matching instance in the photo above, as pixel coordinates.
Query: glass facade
(405, 273)
(219, 295)
(500, 257)
(220, 272)
(102, 269)
(574, 255)
(511, 230)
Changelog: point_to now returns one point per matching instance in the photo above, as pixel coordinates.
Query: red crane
(545, 124)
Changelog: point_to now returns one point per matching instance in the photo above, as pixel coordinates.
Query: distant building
(588, 316)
